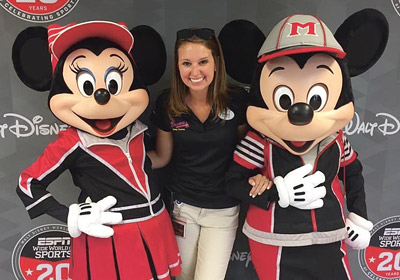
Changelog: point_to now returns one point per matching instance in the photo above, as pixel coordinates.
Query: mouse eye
(85, 83)
(283, 98)
(317, 97)
(114, 82)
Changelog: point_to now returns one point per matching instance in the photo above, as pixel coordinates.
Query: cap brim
(306, 49)
(111, 31)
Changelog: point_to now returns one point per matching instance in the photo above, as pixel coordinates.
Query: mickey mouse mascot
(302, 99)
(122, 231)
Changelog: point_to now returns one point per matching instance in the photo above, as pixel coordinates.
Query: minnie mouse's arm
(33, 182)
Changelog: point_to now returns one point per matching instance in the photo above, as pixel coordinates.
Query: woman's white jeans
(209, 236)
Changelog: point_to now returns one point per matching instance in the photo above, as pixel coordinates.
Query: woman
(199, 123)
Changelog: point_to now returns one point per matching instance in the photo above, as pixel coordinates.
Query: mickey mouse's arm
(350, 174)
(237, 186)
(354, 184)
(357, 224)
(33, 181)
(248, 161)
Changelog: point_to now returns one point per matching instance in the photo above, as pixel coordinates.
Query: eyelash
(122, 68)
(75, 68)
(186, 63)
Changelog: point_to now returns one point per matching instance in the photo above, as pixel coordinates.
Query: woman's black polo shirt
(202, 151)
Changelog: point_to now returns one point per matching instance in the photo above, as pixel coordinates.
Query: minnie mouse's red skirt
(123, 255)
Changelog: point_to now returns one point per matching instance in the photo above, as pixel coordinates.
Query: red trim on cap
(281, 30)
(323, 29)
(339, 53)
(63, 37)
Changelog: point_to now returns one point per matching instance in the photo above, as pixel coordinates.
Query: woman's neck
(197, 97)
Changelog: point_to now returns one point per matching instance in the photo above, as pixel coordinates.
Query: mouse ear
(149, 53)
(31, 58)
(240, 41)
(363, 36)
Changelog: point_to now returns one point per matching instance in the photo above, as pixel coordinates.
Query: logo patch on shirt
(228, 115)
(179, 126)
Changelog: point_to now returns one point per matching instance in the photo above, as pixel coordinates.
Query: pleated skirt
(123, 256)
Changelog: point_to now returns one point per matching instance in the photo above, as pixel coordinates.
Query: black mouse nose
(102, 96)
(300, 114)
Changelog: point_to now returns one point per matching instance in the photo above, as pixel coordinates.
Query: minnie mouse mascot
(122, 231)
(301, 100)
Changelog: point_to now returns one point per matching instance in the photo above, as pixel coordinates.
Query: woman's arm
(237, 185)
(242, 130)
(162, 154)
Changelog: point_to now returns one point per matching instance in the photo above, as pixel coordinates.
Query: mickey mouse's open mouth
(103, 126)
(298, 146)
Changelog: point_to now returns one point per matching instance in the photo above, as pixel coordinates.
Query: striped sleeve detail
(348, 154)
(250, 151)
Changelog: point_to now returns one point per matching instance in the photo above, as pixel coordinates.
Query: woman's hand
(162, 154)
(260, 183)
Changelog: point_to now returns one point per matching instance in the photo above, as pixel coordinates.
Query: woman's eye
(317, 97)
(283, 98)
(203, 62)
(85, 83)
(114, 82)
(187, 64)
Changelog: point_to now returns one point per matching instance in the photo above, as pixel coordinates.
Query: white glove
(90, 217)
(299, 190)
(358, 229)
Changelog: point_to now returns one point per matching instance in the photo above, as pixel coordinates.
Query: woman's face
(196, 66)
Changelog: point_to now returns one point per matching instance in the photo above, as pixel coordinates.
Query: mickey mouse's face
(100, 102)
(301, 102)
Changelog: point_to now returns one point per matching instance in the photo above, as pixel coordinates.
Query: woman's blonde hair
(217, 91)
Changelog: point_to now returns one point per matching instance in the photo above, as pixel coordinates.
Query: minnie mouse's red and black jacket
(99, 167)
(102, 167)
(267, 222)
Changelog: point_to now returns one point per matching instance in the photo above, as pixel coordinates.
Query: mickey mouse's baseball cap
(299, 34)
(61, 38)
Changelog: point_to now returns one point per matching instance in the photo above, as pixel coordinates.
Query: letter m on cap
(308, 26)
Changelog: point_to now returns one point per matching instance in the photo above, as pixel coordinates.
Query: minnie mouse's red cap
(61, 38)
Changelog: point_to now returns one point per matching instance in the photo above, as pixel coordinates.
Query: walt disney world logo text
(386, 124)
(38, 11)
(21, 126)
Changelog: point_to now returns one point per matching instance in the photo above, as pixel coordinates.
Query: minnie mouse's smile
(103, 126)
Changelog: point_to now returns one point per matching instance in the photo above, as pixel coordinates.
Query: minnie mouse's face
(100, 102)
(301, 102)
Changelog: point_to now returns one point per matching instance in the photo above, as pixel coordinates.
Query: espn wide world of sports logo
(381, 259)
(43, 253)
(39, 11)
